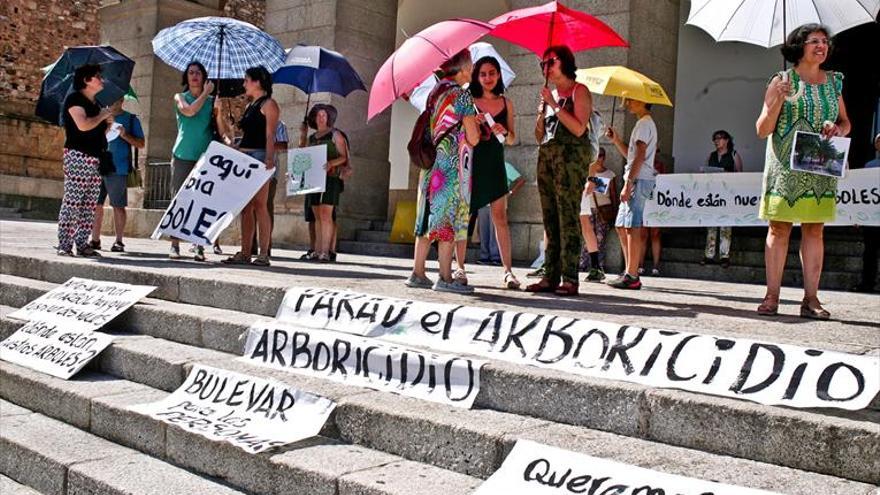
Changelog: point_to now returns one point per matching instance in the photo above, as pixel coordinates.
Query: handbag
(608, 213)
(105, 163)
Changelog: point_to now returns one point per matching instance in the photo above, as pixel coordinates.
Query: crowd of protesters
(471, 122)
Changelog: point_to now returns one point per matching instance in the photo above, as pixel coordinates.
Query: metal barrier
(157, 185)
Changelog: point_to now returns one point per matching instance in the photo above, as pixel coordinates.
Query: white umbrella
(419, 96)
(767, 22)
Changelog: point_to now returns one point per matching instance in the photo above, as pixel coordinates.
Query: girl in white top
(593, 226)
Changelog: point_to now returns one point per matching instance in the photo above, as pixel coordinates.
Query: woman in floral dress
(808, 99)
(444, 194)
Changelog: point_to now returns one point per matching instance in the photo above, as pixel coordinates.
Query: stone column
(364, 33)
(130, 27)
(651, 28)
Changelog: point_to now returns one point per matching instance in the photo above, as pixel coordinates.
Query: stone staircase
(373, 241)
(76, 436)
(683, 249)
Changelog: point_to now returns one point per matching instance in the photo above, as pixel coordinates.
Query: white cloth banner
(538, 469)
(364, 362)
(41, 346)
(740, 368)
(81, 304)
(305, 170)
(733, 199)
(219, 186)
(253, 414)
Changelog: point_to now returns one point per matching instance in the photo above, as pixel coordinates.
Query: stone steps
(792, 277)
(47, 456)
(321, 465)
(839, 241)
(383, 248)
(513, 400)
(98, 402)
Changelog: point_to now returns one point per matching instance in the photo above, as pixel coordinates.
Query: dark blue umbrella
(314, 69)
(116, 71)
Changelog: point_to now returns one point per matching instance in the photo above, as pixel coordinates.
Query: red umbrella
(418, 56)
(537, 28)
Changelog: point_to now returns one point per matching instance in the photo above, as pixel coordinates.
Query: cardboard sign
(364, 362)
(46, 348)
(733, 200)
(81, 304)
(223, 181)
(253, 414)
(538, 469)
(739, 368)
(305, 170)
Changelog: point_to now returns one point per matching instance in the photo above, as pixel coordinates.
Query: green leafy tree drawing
(301, 164)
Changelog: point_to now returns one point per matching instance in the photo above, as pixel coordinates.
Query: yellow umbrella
(616, 80)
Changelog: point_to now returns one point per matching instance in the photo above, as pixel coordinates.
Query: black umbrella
(116, 71)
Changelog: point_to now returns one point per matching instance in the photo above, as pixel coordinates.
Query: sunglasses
(549, 62)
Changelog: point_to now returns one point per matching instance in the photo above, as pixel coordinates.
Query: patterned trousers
(600, 227)
(562, 172)
(82, 184)
(723, 247)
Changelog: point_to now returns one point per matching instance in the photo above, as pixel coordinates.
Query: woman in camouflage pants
(565, 151)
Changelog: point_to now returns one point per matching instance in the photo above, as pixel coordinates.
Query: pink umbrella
(418, 56)
(537, 28)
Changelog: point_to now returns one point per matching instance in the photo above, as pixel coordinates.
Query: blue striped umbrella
(226, 47)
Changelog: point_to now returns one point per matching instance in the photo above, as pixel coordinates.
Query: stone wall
(33, 33)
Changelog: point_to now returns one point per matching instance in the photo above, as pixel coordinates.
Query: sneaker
(627, 282)
(454, 287)
(483, 262)
(118, 247)
(460, 276)
(200, 253)
(539, 273)
(217, 249)
(707, 261)
(655, 272)
(725, 262)
(641, 271)
(496, 263)
(174, 252)
(416, 282)
(65, 252)
(595, 275)
(309, 255)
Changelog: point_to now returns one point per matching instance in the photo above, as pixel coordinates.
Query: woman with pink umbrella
(443, 207)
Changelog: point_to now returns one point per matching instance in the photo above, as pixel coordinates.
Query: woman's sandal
(817, 313)
(510, 281)
(543, 285)
(769, 306)
(261, 260)
(567, 289)
(238, 258)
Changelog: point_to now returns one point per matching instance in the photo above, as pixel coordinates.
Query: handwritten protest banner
(364, 362)
(741, 368)
(43, 347)
(219, 186)
(305, 170)
(539, 469)
(251, 413)
(81, 304)
(733, 199)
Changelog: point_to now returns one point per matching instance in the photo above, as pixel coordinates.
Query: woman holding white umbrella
(788, 196)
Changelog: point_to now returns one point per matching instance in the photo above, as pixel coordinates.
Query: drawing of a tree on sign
(301, 164)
